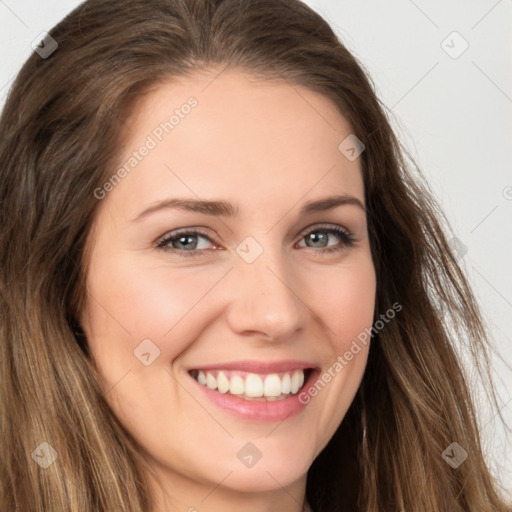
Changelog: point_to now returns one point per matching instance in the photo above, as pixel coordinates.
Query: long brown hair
(60, 133)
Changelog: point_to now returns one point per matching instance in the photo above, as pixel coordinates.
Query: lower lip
(258, 411)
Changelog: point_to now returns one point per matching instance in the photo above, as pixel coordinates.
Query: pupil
(318, 237)
(186, 241)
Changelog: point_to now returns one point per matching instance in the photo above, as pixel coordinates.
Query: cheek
(344, 299)
(347, 309)
(129, 302)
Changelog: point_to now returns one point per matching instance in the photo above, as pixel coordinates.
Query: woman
(221, 286)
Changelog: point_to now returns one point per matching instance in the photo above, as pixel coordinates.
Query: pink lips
(256, 411)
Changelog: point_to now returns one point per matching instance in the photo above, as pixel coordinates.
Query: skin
(268, 148)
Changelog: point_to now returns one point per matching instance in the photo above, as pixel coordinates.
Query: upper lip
(258, 367)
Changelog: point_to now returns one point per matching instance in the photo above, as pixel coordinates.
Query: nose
(264, 301)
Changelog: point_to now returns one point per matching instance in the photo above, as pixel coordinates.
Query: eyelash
(346, 237)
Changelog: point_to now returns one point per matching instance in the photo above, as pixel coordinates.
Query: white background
(453, 114)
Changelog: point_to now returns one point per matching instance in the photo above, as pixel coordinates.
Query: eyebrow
(225, 209)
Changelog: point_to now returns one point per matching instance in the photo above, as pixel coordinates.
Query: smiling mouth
(253, 386)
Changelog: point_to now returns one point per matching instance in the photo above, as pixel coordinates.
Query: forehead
(236, 136)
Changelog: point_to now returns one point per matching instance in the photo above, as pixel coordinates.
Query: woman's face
(269, 280)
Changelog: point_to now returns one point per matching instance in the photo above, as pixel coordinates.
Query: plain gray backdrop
(444, 69)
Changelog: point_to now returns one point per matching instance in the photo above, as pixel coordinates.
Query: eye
(192, 242)
(319, 237)
(185, 241)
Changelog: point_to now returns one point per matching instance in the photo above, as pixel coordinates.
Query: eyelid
(320, 227)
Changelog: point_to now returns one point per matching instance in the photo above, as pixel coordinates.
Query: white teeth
(286, 384)
(272, 386)
(252, 385)
(211, 381)
(295, 382)
(222, 383)
(236, 385)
